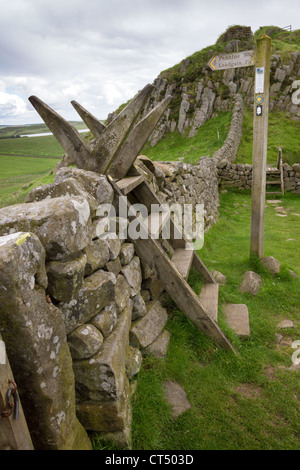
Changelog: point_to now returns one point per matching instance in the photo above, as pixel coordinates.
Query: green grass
(209, 138)
(282, 132)
(19, 175)
(221, 415)
(41, 146)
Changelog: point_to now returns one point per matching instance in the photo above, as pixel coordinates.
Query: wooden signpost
(260, 58)
(232, 61)
(260, 140)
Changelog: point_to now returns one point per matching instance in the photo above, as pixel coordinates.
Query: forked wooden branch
(68, 137)
(114, 135)
(136, 140)
(95, 126)
(117, 145)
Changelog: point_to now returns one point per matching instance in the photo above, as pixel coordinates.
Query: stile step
(182, 260)
(126, 185)
(209, 298)
(273, 182)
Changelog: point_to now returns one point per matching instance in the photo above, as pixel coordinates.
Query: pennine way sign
(232, 61)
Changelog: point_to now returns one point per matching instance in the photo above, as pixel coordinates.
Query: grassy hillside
(42, 146)
(283, 132)
(209, 138)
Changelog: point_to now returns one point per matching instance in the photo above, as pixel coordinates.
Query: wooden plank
(68, 137)
(136, 140)
(281, 179)
(126, 185)
(152, 254)
(200, 267)
(182, 260)
(209, 298)
(14, 434)
(145, 195)
(155, 223)
(96, 127)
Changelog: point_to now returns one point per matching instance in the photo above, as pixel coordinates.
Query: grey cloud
(102, 52)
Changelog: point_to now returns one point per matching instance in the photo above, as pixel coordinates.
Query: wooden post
(260, 139)
(14, 434)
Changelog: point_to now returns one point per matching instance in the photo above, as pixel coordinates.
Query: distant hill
(7, 131)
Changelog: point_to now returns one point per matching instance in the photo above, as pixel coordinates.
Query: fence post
(260, 138)
(14, 433)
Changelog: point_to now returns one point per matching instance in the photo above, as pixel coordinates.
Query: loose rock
(251, 283)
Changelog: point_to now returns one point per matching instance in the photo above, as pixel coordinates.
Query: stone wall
(76, 313)
(238, 175)
(229, 149)
(182, 183)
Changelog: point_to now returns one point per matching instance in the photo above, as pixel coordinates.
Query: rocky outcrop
(198, 92)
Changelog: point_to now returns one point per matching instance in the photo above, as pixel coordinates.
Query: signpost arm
(260, 139)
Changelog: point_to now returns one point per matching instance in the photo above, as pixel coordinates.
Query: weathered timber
(14, 433)
(209, 297)
(113, 136)
(146, 196)
(95, 126)
(128, 184)
(182, 260)
(153, 255)
(136, 140)
(68, 137)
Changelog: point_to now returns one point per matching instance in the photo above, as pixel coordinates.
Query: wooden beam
(14, 433)
(136, 140)
(95, 126)
(68, 137)
(260, 140)
(113, 136)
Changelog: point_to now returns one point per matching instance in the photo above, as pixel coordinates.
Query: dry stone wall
(76, 313)
(239, 175)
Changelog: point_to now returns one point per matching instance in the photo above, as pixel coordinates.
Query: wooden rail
(14, 433)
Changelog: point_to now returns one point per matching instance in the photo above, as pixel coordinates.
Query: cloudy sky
(101, 52)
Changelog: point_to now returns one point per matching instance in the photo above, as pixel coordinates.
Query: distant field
(42, 146)
(10, 131)
(16, 172)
